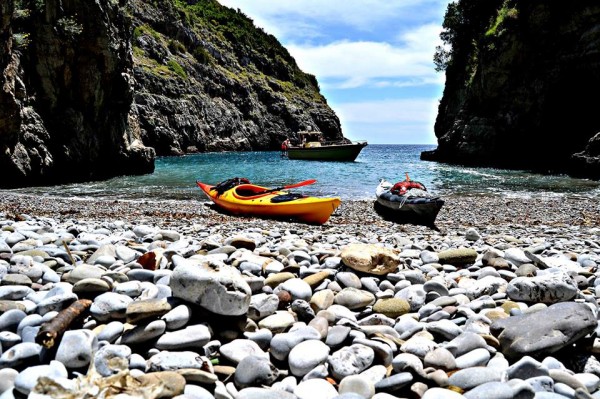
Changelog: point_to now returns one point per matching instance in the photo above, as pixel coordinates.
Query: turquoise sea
(175, 177)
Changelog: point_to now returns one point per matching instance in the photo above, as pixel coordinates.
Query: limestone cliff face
(94, 89)
(521, 87)
(66, 93)
(208, 80)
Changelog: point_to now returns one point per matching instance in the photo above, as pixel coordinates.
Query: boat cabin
(309, 139)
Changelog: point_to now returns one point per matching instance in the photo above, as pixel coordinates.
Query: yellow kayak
(241, 198)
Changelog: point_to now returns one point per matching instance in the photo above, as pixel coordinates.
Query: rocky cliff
(93, 89)
(66, 93)
(521, 84)
(208, 80)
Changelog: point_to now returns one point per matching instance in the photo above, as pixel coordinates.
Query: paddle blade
(302, 183)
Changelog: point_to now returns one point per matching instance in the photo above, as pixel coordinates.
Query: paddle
(302, 183)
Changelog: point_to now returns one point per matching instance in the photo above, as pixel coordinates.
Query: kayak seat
(286, 197)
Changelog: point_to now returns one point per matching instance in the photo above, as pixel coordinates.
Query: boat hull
(401, 208)
(313, 210)
(341, 152)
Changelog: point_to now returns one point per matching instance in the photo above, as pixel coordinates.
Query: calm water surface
(175, 177)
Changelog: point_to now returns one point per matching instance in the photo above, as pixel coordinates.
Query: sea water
(175, 177)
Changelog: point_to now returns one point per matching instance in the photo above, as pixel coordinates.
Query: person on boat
(284, 147)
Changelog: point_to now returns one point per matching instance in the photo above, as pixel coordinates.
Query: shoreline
(458, 212)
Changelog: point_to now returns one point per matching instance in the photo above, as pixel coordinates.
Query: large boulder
(372, 259)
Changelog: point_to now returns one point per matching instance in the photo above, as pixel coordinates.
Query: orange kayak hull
(313, 210)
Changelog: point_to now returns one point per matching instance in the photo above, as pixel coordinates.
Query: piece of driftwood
(54, 328)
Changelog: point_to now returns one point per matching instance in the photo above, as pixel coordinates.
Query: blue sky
(372, 58)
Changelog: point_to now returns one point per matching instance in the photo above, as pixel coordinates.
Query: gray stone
(307, 355)
(165, 361)
(350, 360)
(191, 337)
(111, 332)
(112, 359)
(110, 305)
(77, 348)
(238, 349)
(7, 379)
(547, 288)
(218, 288)
(545, 331)
(28, 378)
(25, 353)
(394, 382)
(491, 390)
(255, 371)
(282, 344)
(315, 388)
(144, 332)
(474, 376)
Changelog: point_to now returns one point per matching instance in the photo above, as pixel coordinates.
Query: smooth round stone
(110, 305)
(358, 384)
(322, 300)
(262, 305)
(144, 332)
(105, 260)
(341, 312)
(418, 346)
(221, 289)
(464, 343)
(408, 326)
(91, 286)
(350, 360)
(392, 307)
(353, 298)
(147, 309)
(337, 335)
(171, 383)
(408, 362)
(302, 310)
(238, 349)
(591, 381)
(28, 378)
(9, 304)
(282, 344)
(111, 359)
(440, 358)
(445, 328)
(191, 337)
(84, 271)
(177, 317)
(55, 303)
(31, 320)
(125, 254)
(527, 367)
(307, 355)
(265, 393)
(491, 390)
(110, 332)
(474, 376)
(414, 295)
(278, 322)
(25, 353)
(14, 292)
(10, 319)
(394, 382)
(348, 279)
(132, 289)
(275, 279)
(255, 371)
(143, 275)
(7, 379)
(315, 279)
(315, 389)
(298, 289)
(436, 286)
(165, 361)
(262, 337)
(476, 357)
(137, 362)
(441, 393)
(8, 339)
(76, 348)
(16, 279)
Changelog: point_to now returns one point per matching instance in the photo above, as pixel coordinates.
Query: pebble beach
(177, 299)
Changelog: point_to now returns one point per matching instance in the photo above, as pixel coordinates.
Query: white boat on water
(312, 147)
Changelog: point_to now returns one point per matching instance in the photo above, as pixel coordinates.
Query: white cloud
(388, 111)
(347, 64)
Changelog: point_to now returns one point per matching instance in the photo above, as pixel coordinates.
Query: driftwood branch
(54, 328)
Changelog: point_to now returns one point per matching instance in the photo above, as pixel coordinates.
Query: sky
(373, 60)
